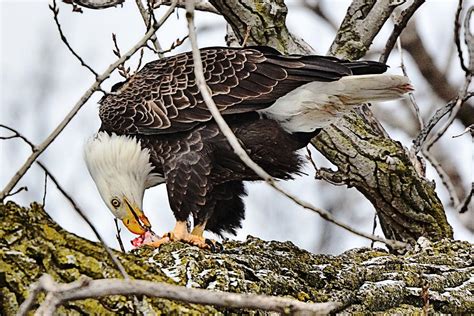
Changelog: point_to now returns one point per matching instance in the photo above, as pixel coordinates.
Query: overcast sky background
(41, 81)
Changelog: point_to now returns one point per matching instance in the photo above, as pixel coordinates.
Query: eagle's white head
(121, 170)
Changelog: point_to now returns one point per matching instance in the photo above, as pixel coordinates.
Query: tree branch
(437, 79)
(82, 100)
(239, 151)
(399, 26)
(88, 288)
(362, 23)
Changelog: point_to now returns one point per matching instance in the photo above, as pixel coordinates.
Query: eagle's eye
(115, 203)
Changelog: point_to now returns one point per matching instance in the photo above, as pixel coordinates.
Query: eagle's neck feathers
(120, 167)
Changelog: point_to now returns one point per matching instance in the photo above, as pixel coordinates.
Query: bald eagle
(157, 129)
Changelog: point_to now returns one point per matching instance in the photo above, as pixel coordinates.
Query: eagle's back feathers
(163, 96)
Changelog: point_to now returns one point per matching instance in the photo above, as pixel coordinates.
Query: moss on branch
(368, 280)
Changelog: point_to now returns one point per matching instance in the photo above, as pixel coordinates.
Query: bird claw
(214, 245)
(194, 240)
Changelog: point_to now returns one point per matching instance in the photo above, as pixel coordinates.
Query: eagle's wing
(163, 97)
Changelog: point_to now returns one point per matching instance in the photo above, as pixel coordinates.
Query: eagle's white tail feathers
(318, 104)
(369, 88)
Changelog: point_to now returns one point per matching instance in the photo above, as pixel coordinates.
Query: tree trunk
(363, 279)
(367, 159)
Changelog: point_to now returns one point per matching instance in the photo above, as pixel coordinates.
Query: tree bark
(366, 158)
(368, 280)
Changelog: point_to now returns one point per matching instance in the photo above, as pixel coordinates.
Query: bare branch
(45, 186)
(148, 16)
(467, 202)
(469, 38)
(398, 27)
(434, 120)
(55, 10)
(436, 77)
(95, 4)
(88, 288)
(445, 179)
(459, 102)
(117, 235)
(316, 9)
(354, 44)
(241, 153)
(93, 88)
(17, 134)
(123, 71)
(204, 6)
(415, 106)
(457, 37)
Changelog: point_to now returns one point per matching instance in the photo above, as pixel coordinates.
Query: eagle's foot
(199, 241)
(181, 233)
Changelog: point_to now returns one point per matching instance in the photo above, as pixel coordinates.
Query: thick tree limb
(366, 158)
(265, 22)
(58, 294)
(362, 280)
(362, 23)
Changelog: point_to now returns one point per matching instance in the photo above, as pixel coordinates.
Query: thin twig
(246, 36)
(55, 10)
(45, 189)
(173, 46)
(117, 235)
(316, 9)
(147, 19)
(416, 108)
(17, 134)
(398, 27)
(93, 88)
(457, 37)
(61, 293)
(444, 177)
(467, 202)
(95, 4)
(459, 102)
(241, 153)
(24, 188)
(309, 157)
(374, 227)
(140, 60)
(123, 71)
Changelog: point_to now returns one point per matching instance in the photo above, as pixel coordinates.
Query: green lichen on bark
(380, 168)
(261, 22)
(363, 280)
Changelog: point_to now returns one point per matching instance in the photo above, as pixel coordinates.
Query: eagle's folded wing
(163, 96)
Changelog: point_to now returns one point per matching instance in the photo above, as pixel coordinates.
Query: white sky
(41, 81)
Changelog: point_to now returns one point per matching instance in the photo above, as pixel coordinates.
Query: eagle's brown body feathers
(161, 106)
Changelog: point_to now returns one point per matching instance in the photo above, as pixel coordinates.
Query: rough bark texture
(366, 158)
(369, 280)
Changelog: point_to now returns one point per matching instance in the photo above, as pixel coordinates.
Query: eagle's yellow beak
(135, 220)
